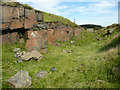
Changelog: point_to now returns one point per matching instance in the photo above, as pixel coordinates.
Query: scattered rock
(31, 55)
(16, 49)
(53, 69)
(67, 51)
(20, 80)
(20, 53)
(41, 74)
(72, 42)
(19, 60)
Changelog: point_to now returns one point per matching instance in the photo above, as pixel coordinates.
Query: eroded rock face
(30, 19)
(12, 17)
(20, 80)
(19, 17)
(38, 39)
(63, 34)
(50, 36)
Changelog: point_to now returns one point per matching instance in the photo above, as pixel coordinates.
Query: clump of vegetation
(52, 18)
(11, 4)
(27, 6)
(35, 29)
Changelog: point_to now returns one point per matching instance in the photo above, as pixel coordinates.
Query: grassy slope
(51, 18)
(87, 66)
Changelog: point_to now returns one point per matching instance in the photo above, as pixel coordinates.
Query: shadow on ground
(113, 44)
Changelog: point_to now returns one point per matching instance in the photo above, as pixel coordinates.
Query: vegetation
(86, 67)
(52, 18)
(27, 6)
(91, 26)
(12, 4)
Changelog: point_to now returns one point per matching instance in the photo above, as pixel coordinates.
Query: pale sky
(101, 12)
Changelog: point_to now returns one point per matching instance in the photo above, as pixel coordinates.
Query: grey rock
(16, 49)
(19, 60)
(20, 53)
(53, 69)
(41, 74)
(72, 42)
(20, 80)
(67, 51)
(32, 55)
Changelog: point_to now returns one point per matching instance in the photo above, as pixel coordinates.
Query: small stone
(53, 69)
(67, 51)
(72, 42)
(64, 51)
(19, 60)
(41, 74)
(20, 80)
(16, 49)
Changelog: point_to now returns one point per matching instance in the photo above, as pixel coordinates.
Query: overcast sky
(101, 12)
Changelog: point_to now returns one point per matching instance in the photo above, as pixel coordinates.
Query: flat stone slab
(41, 74)
(20, 80)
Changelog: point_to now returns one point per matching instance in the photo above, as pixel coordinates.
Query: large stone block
(12, 17)
(37, 40)
(63, 34)
(50, 36)
(30, 19)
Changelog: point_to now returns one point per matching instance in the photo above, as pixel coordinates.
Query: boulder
(20, 80)
(41, 74)
(32, 55)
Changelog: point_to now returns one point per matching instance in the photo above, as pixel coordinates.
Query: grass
(85, 67)
(52, 18)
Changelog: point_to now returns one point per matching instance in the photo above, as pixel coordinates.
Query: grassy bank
(85, 67)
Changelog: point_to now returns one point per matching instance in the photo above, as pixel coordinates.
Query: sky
(100, 12)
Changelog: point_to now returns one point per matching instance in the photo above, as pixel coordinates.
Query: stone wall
(20, 24)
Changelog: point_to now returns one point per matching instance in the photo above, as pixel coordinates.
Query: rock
(53, 69)
(67, 51)
(19, 60)
(41, 74)
(20, 53)
(31, 55)
(64, 51)
(38, 39)
(72, 42)
(20, 80)
(116, 71)
(16, 49)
